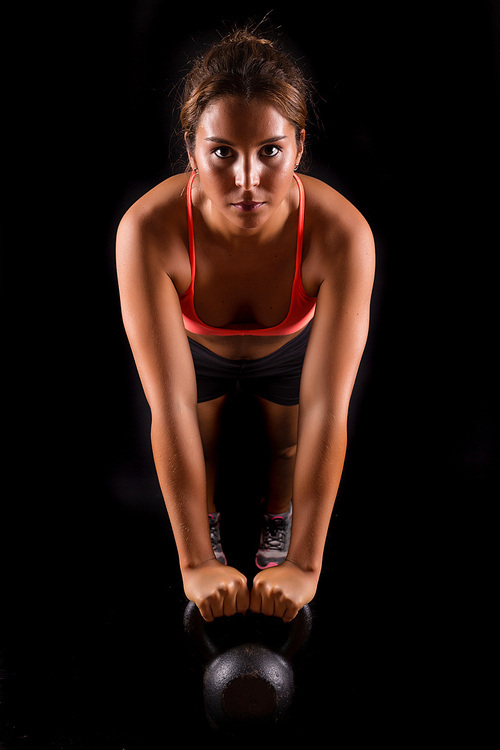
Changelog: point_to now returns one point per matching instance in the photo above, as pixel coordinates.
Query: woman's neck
(239, 239)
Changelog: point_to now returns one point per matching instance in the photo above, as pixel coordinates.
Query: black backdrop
(92, 652)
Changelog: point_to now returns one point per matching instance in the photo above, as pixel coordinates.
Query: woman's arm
(335, 348)
(153, 322)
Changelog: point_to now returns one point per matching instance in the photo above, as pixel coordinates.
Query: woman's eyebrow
(273, 139)
(213, 139)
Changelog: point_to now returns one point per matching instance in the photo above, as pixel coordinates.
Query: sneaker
(274, 539)
(214, 523)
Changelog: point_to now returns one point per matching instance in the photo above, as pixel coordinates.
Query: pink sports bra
(302, 307)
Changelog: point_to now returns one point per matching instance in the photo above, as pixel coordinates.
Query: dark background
(92, 653)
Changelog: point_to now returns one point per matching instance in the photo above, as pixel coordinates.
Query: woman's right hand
(216, 589)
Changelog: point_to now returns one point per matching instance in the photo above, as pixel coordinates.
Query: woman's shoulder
(163, 208)
(154, 230)
(336, 236)
(329, 213)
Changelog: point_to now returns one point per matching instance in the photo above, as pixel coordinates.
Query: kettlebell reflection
(250, 684)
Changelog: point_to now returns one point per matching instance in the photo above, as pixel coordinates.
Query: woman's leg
(209, 418)
(281, 424)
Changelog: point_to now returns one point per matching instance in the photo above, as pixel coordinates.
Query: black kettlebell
(250, 684)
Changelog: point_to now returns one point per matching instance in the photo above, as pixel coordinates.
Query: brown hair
(244, 65)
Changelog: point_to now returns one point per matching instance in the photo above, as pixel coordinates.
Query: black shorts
(275, 377)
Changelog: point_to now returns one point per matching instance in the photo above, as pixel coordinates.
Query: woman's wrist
(194, 564)
(304, 567)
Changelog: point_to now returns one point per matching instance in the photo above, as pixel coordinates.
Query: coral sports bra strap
(192, 259)
(302, 307)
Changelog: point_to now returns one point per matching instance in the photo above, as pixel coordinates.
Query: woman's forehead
(233, 119)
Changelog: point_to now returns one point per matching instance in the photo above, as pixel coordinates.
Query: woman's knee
(282, 427)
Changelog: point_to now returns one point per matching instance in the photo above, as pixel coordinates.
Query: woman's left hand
(282, 590)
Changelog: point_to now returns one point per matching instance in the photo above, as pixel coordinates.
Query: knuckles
(225, 596)
(227, 588)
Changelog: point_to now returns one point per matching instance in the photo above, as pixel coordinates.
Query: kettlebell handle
(299, 632)
(196, 628)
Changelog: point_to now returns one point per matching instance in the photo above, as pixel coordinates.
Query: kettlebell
(250, 684)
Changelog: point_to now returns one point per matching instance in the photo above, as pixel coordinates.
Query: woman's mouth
(247, 205)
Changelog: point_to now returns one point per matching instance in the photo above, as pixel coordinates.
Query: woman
(242, 272)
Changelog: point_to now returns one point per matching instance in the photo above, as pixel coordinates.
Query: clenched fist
(216, 589)
(282, 590)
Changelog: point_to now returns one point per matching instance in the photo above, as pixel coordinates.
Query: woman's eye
(271, 150)
(223, 152)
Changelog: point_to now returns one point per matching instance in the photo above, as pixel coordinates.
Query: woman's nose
(247, 175)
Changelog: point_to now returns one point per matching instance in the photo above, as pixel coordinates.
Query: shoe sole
(264, 567)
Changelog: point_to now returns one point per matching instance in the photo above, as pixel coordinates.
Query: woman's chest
(233, 287)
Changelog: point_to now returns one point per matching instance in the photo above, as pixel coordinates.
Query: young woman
(240, 271)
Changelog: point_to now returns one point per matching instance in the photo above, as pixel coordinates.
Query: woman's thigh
(281, 426)
(209, 419)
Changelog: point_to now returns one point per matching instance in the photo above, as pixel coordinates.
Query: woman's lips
(247, 205)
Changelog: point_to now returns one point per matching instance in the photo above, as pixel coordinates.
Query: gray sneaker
(274, 539)
(214, 523)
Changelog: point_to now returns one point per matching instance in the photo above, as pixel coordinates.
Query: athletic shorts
(275, 377)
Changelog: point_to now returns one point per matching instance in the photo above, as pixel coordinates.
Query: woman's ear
(192, 163)
(300, 147)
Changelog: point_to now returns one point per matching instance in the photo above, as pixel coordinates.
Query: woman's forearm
(319, 462)
(179, 461)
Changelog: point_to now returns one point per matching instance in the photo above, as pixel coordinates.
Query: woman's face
(245, 154)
